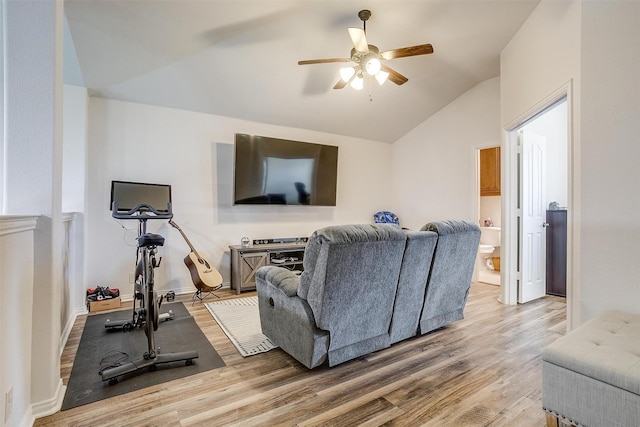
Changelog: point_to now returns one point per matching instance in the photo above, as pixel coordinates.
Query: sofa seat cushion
(606, 349)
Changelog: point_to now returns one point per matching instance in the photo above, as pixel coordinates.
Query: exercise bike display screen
(127, 195)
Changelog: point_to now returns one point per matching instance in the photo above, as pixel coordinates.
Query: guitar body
(205, 278)
(203, 275)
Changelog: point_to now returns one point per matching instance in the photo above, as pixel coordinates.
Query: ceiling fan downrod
(364, 15)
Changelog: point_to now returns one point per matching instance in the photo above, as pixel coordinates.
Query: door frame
(509, 169)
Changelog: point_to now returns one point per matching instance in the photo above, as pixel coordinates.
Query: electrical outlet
(132, 278)
(8, 404)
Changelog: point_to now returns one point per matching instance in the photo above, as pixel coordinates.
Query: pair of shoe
(101, 292)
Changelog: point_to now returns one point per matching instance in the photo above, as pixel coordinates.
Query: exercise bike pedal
(167, 316)
(113, 324)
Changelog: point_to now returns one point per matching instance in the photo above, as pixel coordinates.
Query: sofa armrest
(286, 319)
(285, 280)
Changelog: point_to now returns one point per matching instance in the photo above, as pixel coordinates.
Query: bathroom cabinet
(557, 253)
(490, 172)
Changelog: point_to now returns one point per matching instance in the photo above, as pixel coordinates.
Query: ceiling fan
(368, 59)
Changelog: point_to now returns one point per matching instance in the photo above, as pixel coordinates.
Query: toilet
(486, 249)
(489, 247)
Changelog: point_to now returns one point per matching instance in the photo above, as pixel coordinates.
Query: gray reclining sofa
(365, 287)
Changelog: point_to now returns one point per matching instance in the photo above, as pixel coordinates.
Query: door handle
(545, 224)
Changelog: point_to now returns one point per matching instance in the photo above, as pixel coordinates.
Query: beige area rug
(239, 318)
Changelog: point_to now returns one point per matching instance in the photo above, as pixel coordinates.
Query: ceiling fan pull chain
(370, 87)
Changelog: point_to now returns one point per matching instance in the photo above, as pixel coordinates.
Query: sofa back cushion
(350, 279)
(416, 264)
(451, 272)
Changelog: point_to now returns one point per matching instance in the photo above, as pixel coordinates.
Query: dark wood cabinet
(490, 172)
(557, 253)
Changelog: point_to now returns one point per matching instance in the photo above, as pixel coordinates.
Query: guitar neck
(184, 236)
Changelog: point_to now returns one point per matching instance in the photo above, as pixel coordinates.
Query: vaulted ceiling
(238, 58)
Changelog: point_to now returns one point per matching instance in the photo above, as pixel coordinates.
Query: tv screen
(128, 195)
(276, 171)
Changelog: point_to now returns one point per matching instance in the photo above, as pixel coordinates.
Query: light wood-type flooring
(482, 371)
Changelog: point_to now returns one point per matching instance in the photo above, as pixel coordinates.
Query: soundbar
(280, 240)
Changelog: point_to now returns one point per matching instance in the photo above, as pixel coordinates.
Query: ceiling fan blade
(422, 49)
(341, 83)
(359, 39)
(323, 61)
(394, 76)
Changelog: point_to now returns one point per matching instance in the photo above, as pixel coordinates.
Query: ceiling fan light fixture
(381, 77)
(357, 83)
(346, 73)
(372, 65)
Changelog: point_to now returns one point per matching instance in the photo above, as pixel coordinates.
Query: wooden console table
(245, 260)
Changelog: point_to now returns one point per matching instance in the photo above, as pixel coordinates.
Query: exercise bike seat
(150, 239)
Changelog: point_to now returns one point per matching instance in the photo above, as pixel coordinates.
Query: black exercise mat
(98, 343)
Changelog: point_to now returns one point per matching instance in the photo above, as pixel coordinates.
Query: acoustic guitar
(205, 277)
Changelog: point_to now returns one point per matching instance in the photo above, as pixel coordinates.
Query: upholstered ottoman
(591, 376)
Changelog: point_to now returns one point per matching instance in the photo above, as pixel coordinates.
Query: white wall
(540, 60)
(593, 44)
(75, 107)
(552, 125)
(30, 94)
(542, 56)
(32, 168)
(610, 155)
(3, 65)
(491, 207)
(194, 153)
(434, 165)
(74, 189)
(16, 305)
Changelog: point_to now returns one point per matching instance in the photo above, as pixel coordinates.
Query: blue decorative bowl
(386, 217)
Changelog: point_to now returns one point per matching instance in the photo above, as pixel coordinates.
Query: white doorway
(489, 214)
(524, 250)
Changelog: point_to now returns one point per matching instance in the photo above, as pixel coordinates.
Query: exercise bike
(151, 242)
(147, 314)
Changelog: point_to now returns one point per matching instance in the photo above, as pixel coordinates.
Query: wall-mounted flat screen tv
(273, 171)
(127, 195)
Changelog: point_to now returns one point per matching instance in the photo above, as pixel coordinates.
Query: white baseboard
(49, 406)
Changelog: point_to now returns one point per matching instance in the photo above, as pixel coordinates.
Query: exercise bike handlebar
(141, 212)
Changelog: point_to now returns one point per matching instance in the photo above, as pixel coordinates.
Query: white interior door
(532, 277)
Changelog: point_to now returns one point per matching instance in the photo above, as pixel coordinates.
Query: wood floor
(482, 371)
